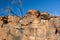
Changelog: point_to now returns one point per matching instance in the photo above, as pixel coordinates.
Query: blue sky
(50, 6)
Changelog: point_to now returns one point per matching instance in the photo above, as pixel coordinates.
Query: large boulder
(45, 15)
(33, 26)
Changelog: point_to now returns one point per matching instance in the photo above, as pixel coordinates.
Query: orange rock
(33, 13)
(34, 26)
(45, 15)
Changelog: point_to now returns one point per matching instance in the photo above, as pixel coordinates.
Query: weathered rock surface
(33, 26)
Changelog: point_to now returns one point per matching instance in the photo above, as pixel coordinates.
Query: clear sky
(50, 6)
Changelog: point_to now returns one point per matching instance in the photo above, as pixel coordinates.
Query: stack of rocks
(33, 26)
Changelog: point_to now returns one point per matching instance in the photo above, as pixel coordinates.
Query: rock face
(33, 26)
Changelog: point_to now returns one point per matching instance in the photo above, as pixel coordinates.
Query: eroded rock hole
(5, 20)
(56, 31)
(4, 39)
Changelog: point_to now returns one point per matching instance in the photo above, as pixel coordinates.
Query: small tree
(18, 2)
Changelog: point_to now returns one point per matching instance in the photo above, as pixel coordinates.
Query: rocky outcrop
(33, 26)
